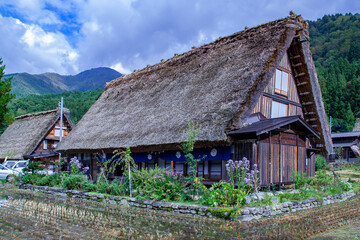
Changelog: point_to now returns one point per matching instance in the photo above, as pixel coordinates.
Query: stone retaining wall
(247, 214)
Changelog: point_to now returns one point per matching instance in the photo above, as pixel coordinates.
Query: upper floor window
(57, 131)
(45, 144)
(281, 82)
(278, 109)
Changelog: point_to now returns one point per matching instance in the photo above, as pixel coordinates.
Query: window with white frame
(278, 109)
(281, 82)
(57, 131)
(45, 144)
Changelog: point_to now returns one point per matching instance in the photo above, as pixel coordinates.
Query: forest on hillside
(335, 44)
(77, 102)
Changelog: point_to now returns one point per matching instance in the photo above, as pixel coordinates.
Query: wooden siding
(243, 149)
(277, 156)
(264, 104)
(285, 63)
(51, 138)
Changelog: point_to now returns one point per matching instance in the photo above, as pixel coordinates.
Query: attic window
(278, 109)
(45, 144)
(57, 131)
(281, 82)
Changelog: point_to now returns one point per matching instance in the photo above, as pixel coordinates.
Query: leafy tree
(188, 147)
(336, 52)
(5, 97)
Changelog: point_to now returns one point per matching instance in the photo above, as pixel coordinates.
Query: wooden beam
(297, 65)
(295, 57)
(311, 119)
(301, 84)
(314, 126)
(304, 93)
(309, 113)
(299, 75)
(306, 103)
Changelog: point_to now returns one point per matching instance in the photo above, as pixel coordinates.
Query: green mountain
(24, 84)
(335, 44)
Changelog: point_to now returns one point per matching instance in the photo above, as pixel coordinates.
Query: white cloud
(120, 68)
(28, 48)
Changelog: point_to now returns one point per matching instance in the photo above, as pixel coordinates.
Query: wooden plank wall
(243, 149)
(286, 154)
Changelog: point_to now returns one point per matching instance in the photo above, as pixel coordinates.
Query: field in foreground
(349, 231)
(38, 216)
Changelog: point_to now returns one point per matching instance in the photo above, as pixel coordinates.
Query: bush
(225, 194)
(158, 184)
(50, 180)
(322, 179)
(33, 178)
(114, 188)
(75, 182)
(320, 162)
(299, 179)
(33, 167)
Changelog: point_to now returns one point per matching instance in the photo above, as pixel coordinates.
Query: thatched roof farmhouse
(218, 86)
(24, 138)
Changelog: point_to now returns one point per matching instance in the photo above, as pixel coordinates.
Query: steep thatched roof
(216, 85)
(25, 133)
(357, 126)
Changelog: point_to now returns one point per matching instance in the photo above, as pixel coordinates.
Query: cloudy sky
(69, 36)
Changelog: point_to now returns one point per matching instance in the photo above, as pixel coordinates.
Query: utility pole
(61, 117)
(61, 122)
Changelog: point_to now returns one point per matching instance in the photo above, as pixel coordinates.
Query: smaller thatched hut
(34, 136)
(346, 145)
(254, 93)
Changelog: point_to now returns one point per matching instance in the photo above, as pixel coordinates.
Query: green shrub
(89, 187)
(33, 167)
(321, 178)
(75, 182)
(50, 180)
(33, 178)
(299, 179)
(320, 162)
(225, 194)
(114, 188)
(158, 184)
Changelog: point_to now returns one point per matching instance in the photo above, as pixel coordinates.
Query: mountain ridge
(24, 84)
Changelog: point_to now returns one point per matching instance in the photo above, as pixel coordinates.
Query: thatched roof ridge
(216, 85)
(29, 115)
(26, 132)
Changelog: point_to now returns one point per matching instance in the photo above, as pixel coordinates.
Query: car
(17, 165)
(7, 173)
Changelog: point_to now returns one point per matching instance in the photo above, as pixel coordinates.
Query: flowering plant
(241, 176)
(76, 166)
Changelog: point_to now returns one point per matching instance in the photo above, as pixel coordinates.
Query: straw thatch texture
(22, 136)
(216, 85)
(356, 126)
